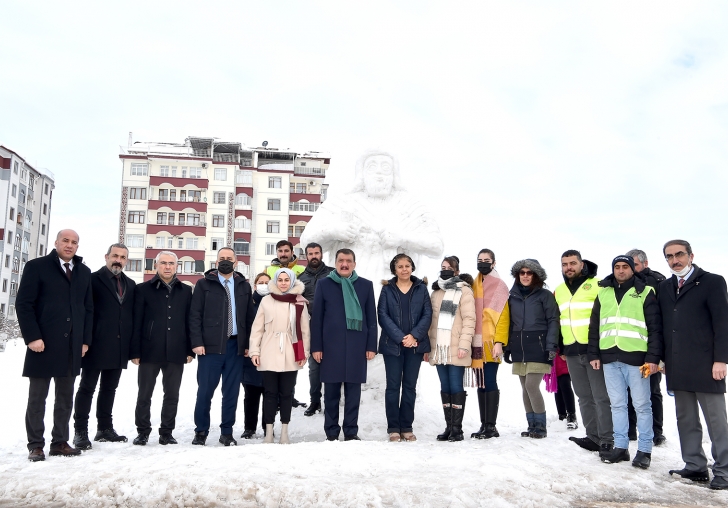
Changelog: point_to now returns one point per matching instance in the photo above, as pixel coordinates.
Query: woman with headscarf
(279, 346)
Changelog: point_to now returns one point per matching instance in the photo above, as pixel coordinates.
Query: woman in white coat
(279, 346)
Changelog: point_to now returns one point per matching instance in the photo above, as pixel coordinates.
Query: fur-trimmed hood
(532, 265)
(414, 280)
(465, 277)
(297, 288)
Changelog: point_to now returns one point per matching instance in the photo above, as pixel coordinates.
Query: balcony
(198, 229)
(178, 205)
(306, 171)
(303, 207)
(200, 183)
(311, 198)
(192, 253)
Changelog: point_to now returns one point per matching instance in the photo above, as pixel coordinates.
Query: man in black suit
(55, 313)
(160, 342)
(113, 319)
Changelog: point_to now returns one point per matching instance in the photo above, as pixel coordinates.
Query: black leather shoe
(248, 434)
(615, 455)
(695, 476)
(605, 449)
(36, 455)
(719, 483)
(585, 443)
(63, 450)
(642, 460)
(109, 435)
(659, 439)
(332, 438)
(141, 439)
(81, 441)
(227, 440)
(352, 438)
(199, 439)
(313, 408)
(165, 439)
(297, 403)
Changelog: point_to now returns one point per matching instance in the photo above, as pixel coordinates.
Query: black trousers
(251, 406)
(104, 402)
(171, 381)
(565, 396)
(656, 399)
(314, 379)
(278, 388)
(35, 413)
(352, 398)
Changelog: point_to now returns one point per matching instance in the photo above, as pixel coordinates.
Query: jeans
(490, 377)
(451, 378)
(402, 371)
(618, 376)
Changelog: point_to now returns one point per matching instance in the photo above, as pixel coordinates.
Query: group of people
(609, 339)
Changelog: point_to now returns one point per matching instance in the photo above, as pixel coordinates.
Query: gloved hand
(507, 356)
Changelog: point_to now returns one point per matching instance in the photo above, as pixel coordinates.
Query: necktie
(681, 283)
(68, 270)
(118, 285)
(230, 309)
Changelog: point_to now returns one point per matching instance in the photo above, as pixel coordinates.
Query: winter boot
(447, 409)
(268, 433)
(539, 426)
(531, 425)
(642, 460)
(615, 455)
(571, 422)
(492, 401)
(457, 401)
(81, 441)
(481, 406)
(284, 434)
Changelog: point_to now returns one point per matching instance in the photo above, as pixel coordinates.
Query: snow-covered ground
(508, 471)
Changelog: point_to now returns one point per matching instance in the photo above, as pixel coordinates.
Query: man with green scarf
(343, 338)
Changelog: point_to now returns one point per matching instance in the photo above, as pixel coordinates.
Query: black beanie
(624, 259)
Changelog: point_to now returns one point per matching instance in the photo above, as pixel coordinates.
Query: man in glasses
(694, 306)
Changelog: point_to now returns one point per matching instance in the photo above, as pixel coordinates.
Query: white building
(25, 200)
(198, 196)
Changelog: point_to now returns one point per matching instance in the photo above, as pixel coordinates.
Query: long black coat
(209, 311)
(344, 351)
(534, 328)
(695, 331)
(113, 322)
(49, 307)
(161, 333)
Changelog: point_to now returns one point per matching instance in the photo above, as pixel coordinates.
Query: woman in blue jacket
(405, 314)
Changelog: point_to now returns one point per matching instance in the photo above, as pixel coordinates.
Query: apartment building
(195, 197)
(25, 201)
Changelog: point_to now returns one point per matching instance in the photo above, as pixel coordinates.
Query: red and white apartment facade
(196, 197)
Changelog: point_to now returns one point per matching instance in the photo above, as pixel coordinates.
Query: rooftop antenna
(130, 140)
(265, 144)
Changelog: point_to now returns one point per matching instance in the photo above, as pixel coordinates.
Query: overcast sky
(530, 127)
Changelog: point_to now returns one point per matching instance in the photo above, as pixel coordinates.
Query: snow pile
(507, 471)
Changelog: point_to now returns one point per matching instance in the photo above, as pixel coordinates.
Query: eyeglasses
(677, 255)
(525, 273)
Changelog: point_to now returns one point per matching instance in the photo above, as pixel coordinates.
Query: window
(134, 265)
(218, 221)
(28, 219)
(40, 250)
(298, 187)
(270, 249)
(174, 170)
(31, 184)
(218, 198)
(244, 178)
(16, 265)
(12, 213)
(135, 240)
(190, 196)
(2, 308)
(26, 245)
(171, 218)
(14, 190)
(13, 286)
(221, 174)
(184, 172)
(192, 243)
(42, 229)
(7, 260)
(24, 175)
(242, 223)
(274, 204)
(21, 199)
(295, 230)
(46, 189)
(241, 247)
(137, 193)
(18, 241)
(136, 217)
(161, 242)
(163, 170)
(10, 237)
(180, 243)
(302, 206)
(45, 209)
(194, 172)
(161, 217)
(193, 219)
(274, 182)
(11, 310)
(15, 167)
(242, 268)
(242, 200)
(273, 226)
(217, 244)
(5, 285)
(139, 169)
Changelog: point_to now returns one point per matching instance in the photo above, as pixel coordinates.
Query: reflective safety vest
(623, 324)
(576, 310)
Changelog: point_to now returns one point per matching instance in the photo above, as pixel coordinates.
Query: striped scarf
(448, 311)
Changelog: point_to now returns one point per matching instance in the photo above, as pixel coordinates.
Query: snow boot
(531, 425)
(642, 460)
(571, 422)
(492, 401)
(284, 434)
(447, 409)
(481, 406)
(615, 455)
(539, 426)
(457, 401)
(268, 433)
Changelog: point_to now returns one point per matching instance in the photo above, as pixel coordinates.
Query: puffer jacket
(463, 328)
(390, 316)
(534, 328)
(270, 337)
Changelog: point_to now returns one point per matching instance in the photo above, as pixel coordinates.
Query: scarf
(295, 306)
(448, 311)
(491, 295)
(352, 307)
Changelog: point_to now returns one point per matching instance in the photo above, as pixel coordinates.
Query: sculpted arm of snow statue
(415, 233)
(328, 228)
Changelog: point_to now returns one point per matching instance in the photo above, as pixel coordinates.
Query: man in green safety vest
(575, 298)
(625, 340)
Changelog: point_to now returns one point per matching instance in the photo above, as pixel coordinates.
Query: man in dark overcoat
(55, 313)
(113, 323)
(694, 306)
(160, 342)
(343, 338)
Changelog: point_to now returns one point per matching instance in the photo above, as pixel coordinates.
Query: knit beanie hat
(624, 259)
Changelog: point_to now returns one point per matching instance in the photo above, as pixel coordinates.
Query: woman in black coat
(533, 338)
(405, 315)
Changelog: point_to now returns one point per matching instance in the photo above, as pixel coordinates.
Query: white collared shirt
(687, 276)
(63, 264)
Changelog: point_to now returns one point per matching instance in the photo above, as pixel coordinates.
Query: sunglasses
(525, 273)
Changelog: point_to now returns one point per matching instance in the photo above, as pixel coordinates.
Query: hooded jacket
(390, 316)
(589, 272)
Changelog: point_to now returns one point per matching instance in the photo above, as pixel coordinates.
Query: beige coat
(273, 324)
(463, 328)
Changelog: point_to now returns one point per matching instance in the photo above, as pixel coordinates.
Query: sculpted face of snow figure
(377, 219)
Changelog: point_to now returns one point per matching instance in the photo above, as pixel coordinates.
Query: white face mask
(683, 272)
(262, 289)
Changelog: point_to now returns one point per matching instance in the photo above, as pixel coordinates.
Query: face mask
(485, 268)
(683, 272)
(262, 289)
(446, 274)
(225, 267)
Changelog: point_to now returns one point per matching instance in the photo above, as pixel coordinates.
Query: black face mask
(485, 268)
(225, 267)
(446, 274)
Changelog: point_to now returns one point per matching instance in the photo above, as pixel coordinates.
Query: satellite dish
(265, 143)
